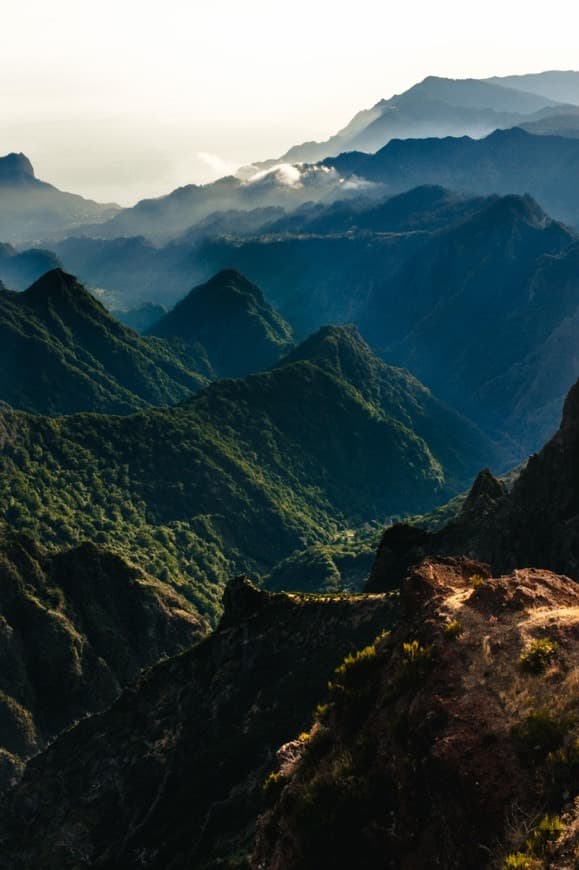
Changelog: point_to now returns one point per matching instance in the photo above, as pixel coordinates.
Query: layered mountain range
(476, 295)
(61, 351)
(244, 472)
(431, 278)
(449, 107)
(449, 740)
(320, 347)
(32, 209)
(434, 108)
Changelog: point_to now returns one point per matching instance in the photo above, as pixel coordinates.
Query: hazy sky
(128, 98)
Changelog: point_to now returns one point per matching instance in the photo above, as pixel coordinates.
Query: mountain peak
(228, 281)
(15, 168)
(229, 316)
(328, 344)
(515, 206)
(503, 212)
(56, 284)
(570, 421)
(241, 599)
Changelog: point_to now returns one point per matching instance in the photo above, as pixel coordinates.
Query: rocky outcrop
(172, 775)
(445, 743)
(536, 523)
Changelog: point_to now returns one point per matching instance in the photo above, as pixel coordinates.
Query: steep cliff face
(75, 627)
(537, 523)
(172, 775)
(450, 743)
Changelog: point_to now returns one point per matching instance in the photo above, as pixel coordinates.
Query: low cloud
(217, 164)
(295, 176)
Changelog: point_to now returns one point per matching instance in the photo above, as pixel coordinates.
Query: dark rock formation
(172, 776)
(537, 523)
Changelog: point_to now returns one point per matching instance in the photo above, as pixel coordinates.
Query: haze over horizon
(162, 98)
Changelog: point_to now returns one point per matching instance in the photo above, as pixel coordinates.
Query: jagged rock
(536, 523)
(241, 599)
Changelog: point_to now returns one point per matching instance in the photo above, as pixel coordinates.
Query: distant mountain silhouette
(434, 107)
(476, 314)
(507, 161)
(31, 209)
(559, 85)
(566, 124)
(18, 270)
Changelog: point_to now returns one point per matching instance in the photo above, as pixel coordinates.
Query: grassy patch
(453, 630)
(537, 655)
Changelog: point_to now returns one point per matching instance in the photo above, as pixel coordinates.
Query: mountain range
(477, 296)
(433, 108)
(439, 107)
(505, 162)
(61, 351)
(465, 702)
(326, 373)
(31, 209)
(246, 471)
(412, 272)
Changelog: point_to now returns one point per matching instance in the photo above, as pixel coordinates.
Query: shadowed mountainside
(31, 209)
(245, 472)
(534, 524)
(211, 721)
(75, 627)
(231, 320)
(61, 351)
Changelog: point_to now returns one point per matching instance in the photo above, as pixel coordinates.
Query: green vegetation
(61, 352)
(414, 655)
(542, 837)
(76, 626)
(321, 713)
(354, 664)
(521, 861)
(537, 655)
(231, 320)
(476, 581)
(241, 475)
(416, 662)
(453, 629)
(342, 564)
(546, 832)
